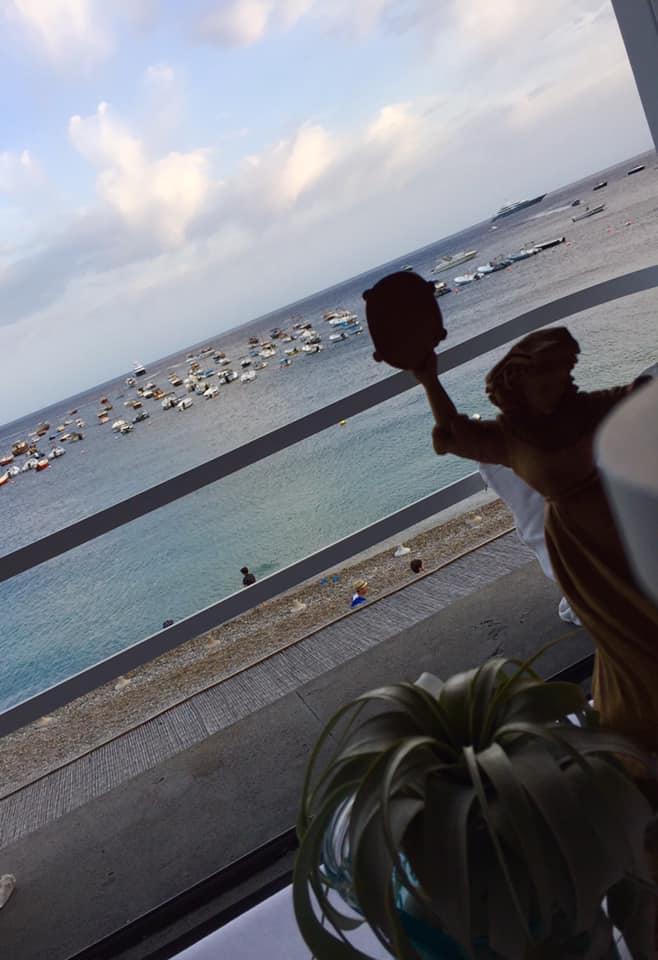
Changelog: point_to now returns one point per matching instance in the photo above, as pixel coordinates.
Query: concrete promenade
(108, 837)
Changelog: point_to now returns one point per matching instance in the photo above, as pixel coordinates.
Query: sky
(170, 170)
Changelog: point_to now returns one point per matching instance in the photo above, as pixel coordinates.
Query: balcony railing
(140, 504)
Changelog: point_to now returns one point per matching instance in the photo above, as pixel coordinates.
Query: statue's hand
(426, 373)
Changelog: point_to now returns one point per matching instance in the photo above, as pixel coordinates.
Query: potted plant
(485, 817)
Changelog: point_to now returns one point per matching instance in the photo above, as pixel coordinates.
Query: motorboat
(547, 244)
(184, 404)
(30, 464)
(227, 376)
(130, 381)
(589, 212)
(56, 452)
(43, 427)
(4, 478)
(142, 415)
(42, 464)
(600, 185)
(19, 448)
(4, 461)
(407, 267)
(248, 376)
(175, 381)
(245, 362)
(441, 288)
(138, 369)
(637, 169)
(73, 437)
(309, 348)
(79, 423)
(13, 470)
(522, 254)
(211, 392)
(169, 402)
(103, 418)
(337, 337)
(466, 278)
(510, 207)
(122, 426)
(449, 261)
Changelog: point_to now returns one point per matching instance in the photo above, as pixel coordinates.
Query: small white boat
(138, 369)
(312, 348)
(466, 278)
(589, 212)
(30, 464)
(130, 381)
(248, 376)
(337, 337)
(211, 392)
(13, 470)
(245, 362)
(56, 452)
(119, 426)
(169, 402)
(184, 404)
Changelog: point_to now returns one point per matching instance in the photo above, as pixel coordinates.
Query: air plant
(488, 816)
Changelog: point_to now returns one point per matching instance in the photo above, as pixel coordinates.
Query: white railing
(118, 514)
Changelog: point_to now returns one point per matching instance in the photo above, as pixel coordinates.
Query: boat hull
(522, 205)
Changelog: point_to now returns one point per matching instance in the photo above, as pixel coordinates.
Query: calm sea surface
(102, 597)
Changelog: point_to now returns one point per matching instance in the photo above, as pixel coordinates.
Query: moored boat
(4, 461)
(451, 260)
(589, 212)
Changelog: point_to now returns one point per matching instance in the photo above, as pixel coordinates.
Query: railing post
(638, 22)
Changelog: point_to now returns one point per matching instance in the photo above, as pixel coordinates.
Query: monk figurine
(545, 433)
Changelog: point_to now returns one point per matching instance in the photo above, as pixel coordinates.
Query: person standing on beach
(545, 434)
(247, 578)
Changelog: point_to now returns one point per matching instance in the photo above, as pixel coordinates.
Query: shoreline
(104, 714)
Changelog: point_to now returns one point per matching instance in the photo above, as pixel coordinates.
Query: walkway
(107, 837)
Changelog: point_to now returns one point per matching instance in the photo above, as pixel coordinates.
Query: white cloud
(158, 195)
(63, 28)
(75, 34)
(18, 171)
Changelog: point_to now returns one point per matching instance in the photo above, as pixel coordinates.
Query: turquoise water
(72, 611)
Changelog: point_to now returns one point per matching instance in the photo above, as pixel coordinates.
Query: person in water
(544, 433)
(247, 578)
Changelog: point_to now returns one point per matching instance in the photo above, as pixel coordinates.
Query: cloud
(18, 172)
(62, 28)
(158, 195)
(75, 33)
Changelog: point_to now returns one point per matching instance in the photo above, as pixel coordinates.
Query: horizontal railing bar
(213, 470)
(237, 603)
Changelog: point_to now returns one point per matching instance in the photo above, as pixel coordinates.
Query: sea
(102, 597)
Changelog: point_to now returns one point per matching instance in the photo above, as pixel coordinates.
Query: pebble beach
(106, 713)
